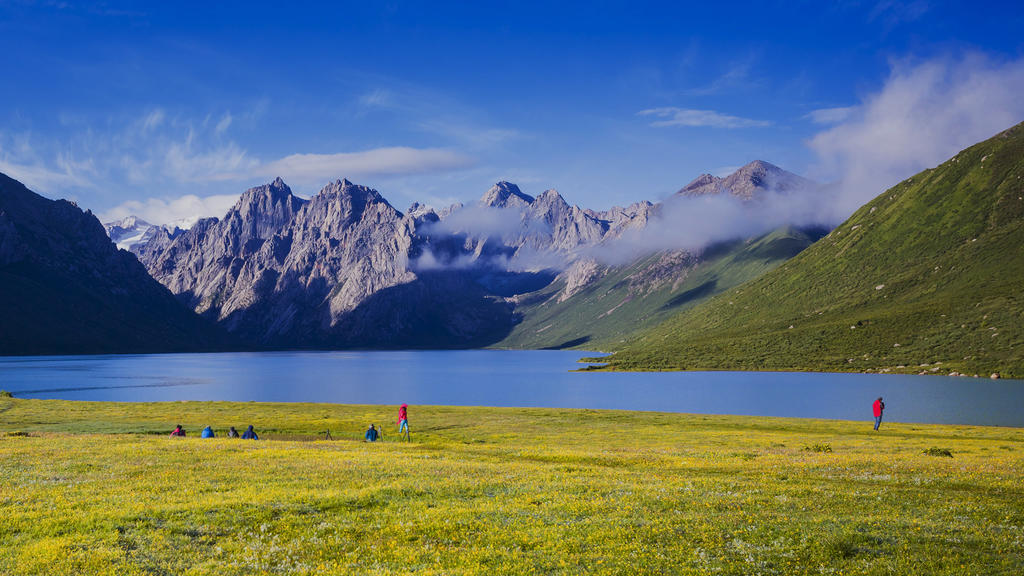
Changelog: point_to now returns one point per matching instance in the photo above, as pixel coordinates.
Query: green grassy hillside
(97, 488)
(927, 277)
(629, 299)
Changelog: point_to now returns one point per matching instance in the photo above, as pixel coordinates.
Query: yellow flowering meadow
(99, 488)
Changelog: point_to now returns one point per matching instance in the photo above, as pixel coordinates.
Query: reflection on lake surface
(506, 378)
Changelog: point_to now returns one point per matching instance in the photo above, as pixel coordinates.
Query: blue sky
(173, 108)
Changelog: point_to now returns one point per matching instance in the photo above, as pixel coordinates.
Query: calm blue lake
(506, 378)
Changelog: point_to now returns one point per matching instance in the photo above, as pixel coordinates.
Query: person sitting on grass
(232, 433)
(249, 434)
(208, 433)
(178, 432)
(371, 434)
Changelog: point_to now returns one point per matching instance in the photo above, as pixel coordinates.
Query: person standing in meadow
(877, 409)
(403, 420)
(249, 434)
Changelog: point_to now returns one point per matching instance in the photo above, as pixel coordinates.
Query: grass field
(98, 488)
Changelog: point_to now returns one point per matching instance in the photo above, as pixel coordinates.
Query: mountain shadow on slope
(66, 289)
(437, 310)
(706, 289)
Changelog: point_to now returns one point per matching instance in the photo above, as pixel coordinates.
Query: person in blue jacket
(371, 434)
(208, 432)
(249, 434)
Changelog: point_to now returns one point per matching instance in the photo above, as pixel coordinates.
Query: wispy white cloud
(473, 136)
(923, 114)
(378, 98)
(736, 77)
(169, 153)
(185, 162)
(695, 118)
(153, 120)
(41, 178)
(390, 161)
(831, 115)
(434, 113)
(894, 12)
(20, 159)
(224, 123)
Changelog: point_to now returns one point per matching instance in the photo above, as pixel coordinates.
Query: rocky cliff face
(331, 271)
(65, 288)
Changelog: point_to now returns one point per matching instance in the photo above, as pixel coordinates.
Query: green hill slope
(927, 277)
(629, 299)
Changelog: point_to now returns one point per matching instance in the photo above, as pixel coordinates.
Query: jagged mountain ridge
(345, 268)
(66, 289)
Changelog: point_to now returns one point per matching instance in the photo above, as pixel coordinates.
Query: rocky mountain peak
(346, 188)
(265, 195)
(263, 210)
(744, 183)
(551, 196)
(549, 203)
(505, 195)
(757, 173)
(701, 182)
(417, 210)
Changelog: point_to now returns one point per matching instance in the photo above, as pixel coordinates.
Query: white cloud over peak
(694, 118)
(166, 211)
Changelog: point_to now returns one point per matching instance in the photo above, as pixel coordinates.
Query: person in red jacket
(403, 420)
(877, 408)
(178, 431)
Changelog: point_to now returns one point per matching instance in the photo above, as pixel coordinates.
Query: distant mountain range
(66, 289)
(925, 278)
(346, 269)
(131, 232)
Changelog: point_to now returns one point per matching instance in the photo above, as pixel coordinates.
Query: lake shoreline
(507, 379)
